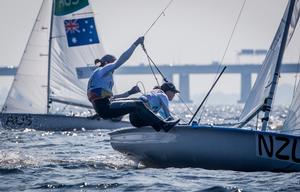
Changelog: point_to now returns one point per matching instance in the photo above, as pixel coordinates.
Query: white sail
(292, 122)
(75, 43)
(262, 84)
(28, 92)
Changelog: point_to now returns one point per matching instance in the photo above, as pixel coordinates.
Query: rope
(225, 52)
(162, 75)
(240, 13)
(151, 61)
(144, 90)
(296, 77)
(162, 13)
(181, 119)
(182, 101)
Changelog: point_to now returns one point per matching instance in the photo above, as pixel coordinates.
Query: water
(84, 161)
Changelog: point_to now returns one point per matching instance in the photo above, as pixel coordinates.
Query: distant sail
(74, 43)
(292, 122)
(262, 84)
(28, 92)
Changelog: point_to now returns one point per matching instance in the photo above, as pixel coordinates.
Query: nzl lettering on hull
(278, 147)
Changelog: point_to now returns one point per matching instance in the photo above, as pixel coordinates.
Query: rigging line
(151, 66)
(151, 61)
(296, 77)
(205, 98)
(175, 115)
(164, 78)
(180, 98)
(234, 28)
(228, 44)
(162, 13)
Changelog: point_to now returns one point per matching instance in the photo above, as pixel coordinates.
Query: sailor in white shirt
(101, 82)
(157, 101)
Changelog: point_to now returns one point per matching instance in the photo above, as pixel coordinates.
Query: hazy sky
(192, 31)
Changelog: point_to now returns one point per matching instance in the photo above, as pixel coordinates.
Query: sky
(190, 32)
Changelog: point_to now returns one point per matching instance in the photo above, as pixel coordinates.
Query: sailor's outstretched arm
(124, 57)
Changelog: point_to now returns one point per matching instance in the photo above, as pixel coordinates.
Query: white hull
(52, 122)
(210, 148)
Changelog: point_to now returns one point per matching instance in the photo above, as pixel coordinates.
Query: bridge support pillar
(245, 86)
(184, 86)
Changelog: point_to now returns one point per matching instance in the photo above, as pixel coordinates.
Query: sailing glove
(140, 40)
(135, 89)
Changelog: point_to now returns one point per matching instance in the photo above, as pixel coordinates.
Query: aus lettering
(67, 3)
(279, 147)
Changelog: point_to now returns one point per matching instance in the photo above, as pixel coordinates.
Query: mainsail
(262, 85)
(28, 92)
(73, 43)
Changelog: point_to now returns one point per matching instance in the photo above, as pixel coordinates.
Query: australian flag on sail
(81, 32)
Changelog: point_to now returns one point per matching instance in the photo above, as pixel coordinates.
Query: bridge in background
(184, 72)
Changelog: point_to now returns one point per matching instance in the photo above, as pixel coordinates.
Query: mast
(269, 100)
(49, 56)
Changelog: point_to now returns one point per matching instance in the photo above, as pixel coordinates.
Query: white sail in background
(28, 92)
(262, 84)
(292, 122)
(75, 43)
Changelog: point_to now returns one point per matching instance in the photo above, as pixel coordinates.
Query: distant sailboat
(292, 122)
(229, 148)
(64, 37)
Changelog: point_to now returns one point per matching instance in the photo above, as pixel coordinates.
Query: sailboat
(228, 148)
(64, 38)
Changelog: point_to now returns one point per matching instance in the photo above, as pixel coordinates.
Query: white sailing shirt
(158, 102)
(102, 77)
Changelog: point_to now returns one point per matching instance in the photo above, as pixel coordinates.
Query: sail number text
(279, 147)
(13, 121)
